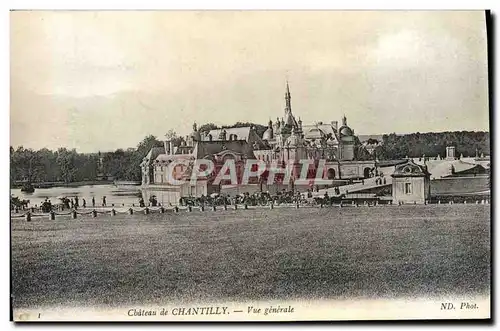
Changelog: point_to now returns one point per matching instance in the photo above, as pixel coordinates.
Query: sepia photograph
(251, 165)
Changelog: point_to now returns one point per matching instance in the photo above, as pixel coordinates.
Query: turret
(222, 135)
(346, 141)
(195, 135)
(269, 133)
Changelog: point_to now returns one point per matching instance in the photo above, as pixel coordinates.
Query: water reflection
(117, 195)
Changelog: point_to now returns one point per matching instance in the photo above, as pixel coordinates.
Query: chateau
(286, 140)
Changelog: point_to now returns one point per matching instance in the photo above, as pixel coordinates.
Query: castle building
(410, 183)
(288, 140)
(156, 172)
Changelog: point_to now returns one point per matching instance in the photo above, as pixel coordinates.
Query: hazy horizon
(104, 150)
(99, 81)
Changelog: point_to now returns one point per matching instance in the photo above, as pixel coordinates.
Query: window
(408, 188)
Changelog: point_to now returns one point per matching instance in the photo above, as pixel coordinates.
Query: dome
(345, 131)
(268, 134)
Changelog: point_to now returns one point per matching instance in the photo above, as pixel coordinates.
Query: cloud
(107, 73)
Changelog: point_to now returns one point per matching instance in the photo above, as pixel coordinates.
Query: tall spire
(288, 99)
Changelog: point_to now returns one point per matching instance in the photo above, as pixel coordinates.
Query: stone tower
(346, 141)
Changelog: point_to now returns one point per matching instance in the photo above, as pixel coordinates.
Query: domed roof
(268, 134)
(345, 131)
(314, 133)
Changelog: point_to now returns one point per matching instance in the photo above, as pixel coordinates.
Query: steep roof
(318, 131)
(443, 168)
(242, 133)
(153, 154)
(290, 120)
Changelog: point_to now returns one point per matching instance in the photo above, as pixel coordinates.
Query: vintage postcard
(249, 165)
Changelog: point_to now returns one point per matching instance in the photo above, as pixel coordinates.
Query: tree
(207, 127)
(66, 161)
(133, 171)
(26, 165)
(171, 134)
(259, 129)
(173, 137)
(433, 144)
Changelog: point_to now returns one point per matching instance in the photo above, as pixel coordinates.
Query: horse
(15, 202)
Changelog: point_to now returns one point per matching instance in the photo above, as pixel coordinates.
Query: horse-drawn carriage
(17, 203)
(328, 200)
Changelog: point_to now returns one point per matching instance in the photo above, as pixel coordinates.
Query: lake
(117, 195)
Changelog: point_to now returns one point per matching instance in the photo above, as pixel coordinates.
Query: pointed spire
(288, 99)
(344, 120)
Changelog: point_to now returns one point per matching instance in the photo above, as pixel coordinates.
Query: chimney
(166, 145)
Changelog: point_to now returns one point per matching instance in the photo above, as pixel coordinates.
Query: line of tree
(432, 144)
(64, 165)
(45, 165)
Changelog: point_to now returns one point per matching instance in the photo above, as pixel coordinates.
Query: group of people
(257, 198)
(74, 203)
(153, 202)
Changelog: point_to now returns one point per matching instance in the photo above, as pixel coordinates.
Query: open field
(385, 251)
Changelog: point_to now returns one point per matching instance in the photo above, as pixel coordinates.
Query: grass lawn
(385, 251)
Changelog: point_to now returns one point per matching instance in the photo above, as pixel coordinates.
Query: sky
(104, 80)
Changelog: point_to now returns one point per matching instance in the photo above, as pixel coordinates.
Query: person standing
(104, 201)
(93, 202)
(84, 203)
